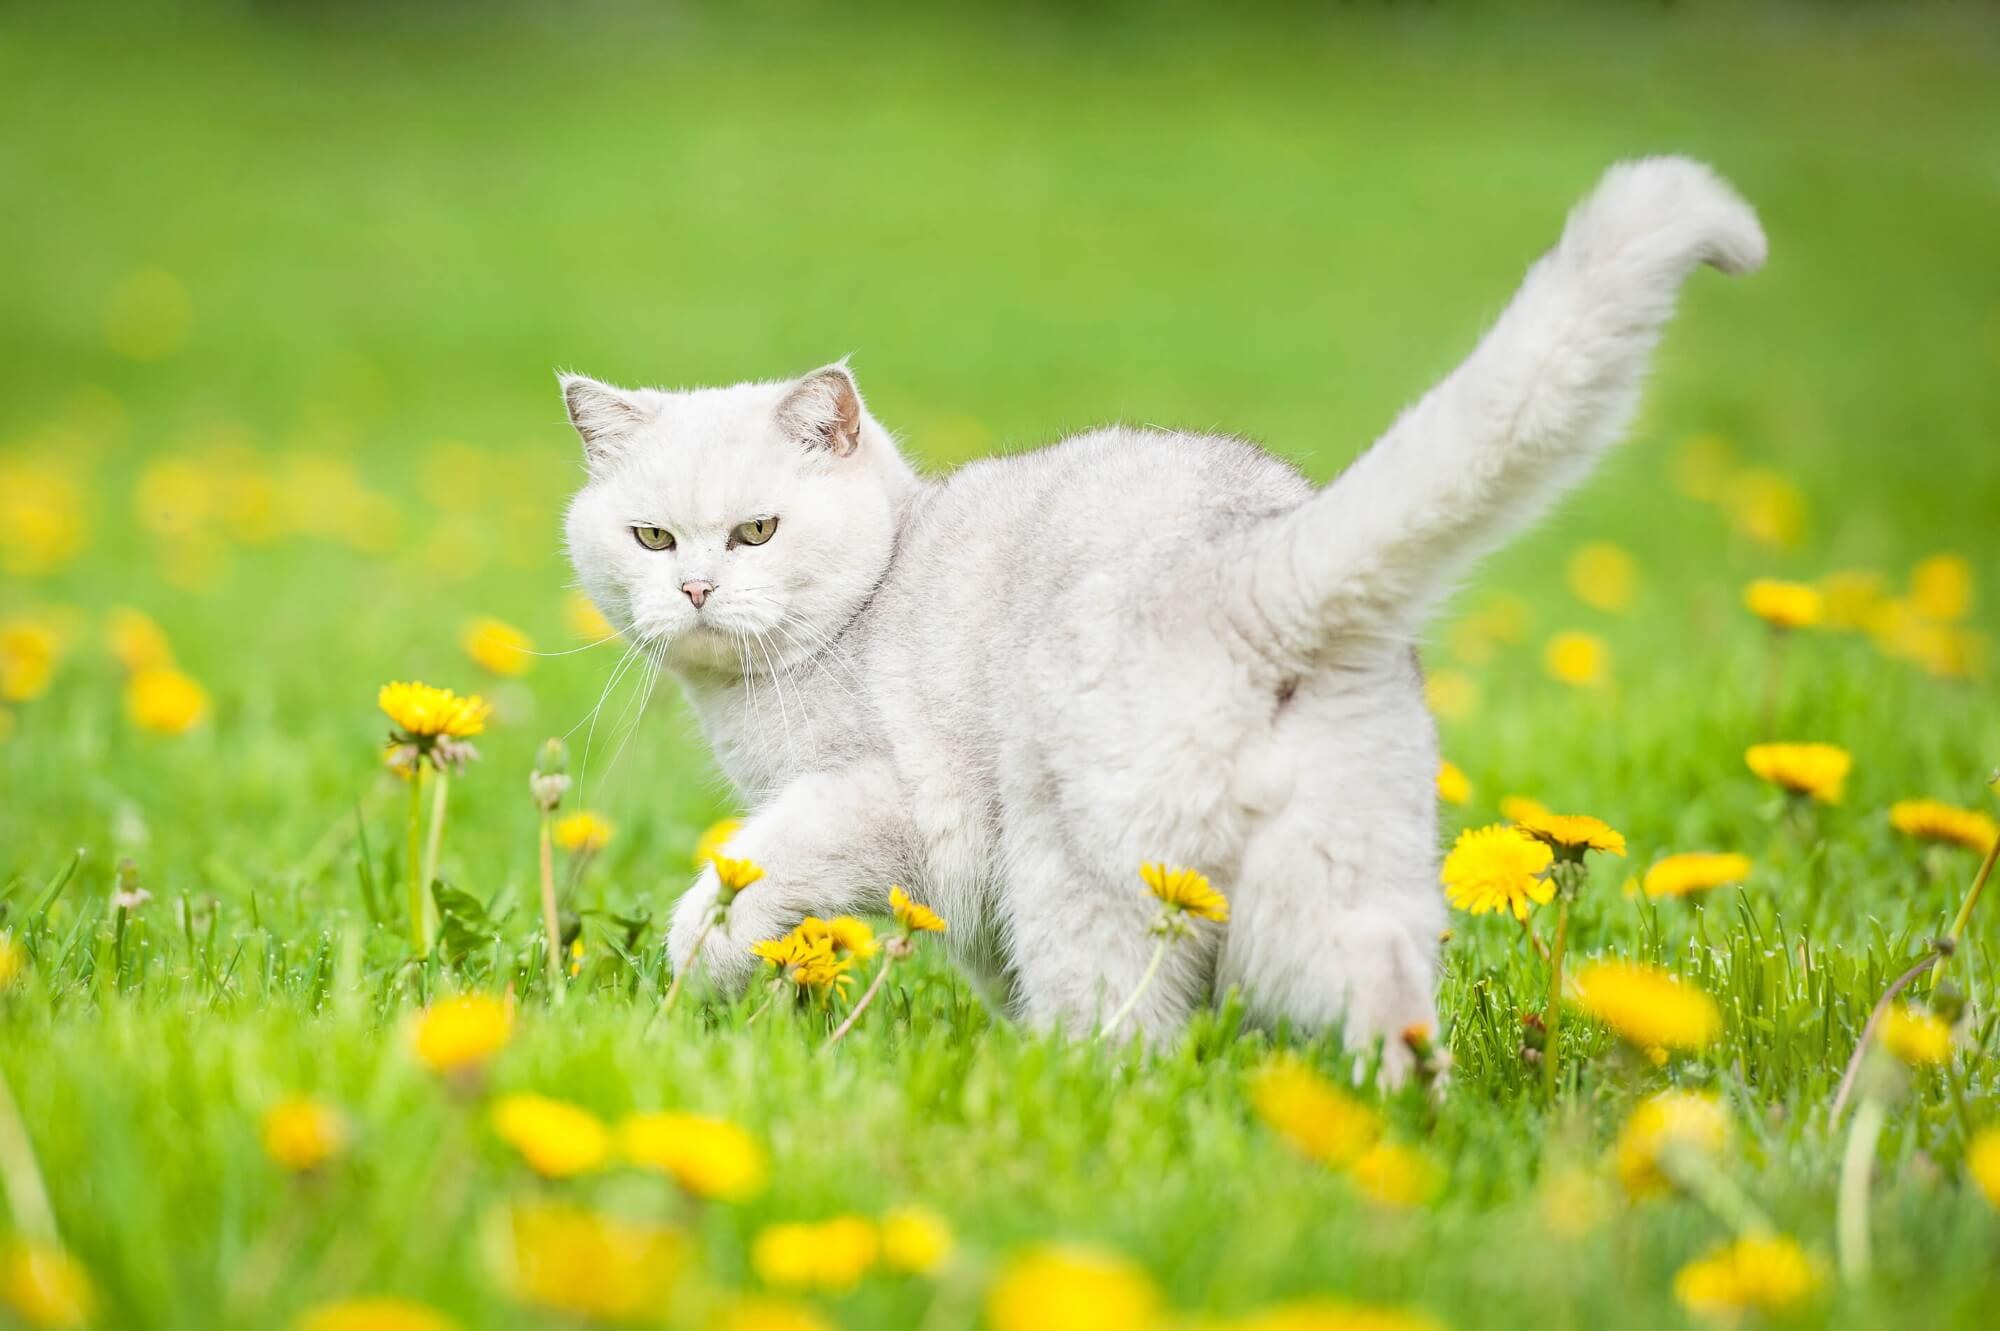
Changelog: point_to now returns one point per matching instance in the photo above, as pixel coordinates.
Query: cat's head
(732, 526)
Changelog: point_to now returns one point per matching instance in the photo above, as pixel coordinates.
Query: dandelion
(1581, 660)
(165, 702)
(1569, 836)
(300, 1133)
(547, 785)
(1318, 1119)
(583, 833)
(422, 712)
(830, 1256)
(762, 1313)
(1934, 820)
(1332, 1315)
(1941, 588)
(1816, 770)
(1452, 695)
(1917, 1036)
(374, 1314)
(1760, 1273)
(732, 876)
(42, 517)
(1602, 576)
(13, 962)
(1183, 894)
(1784, 605)
(557, 1139)
(1395, 1176)
(1664, 1133)
(45, 1286)
(915, 918)
(28, 654)
(1573, 1201)
(138, 642)
(571, 1260)
(1518, 809)
(584, 621)
(1695, 871)
(432, 726)
(1646, 1006)
(915, 1240)
(1072, 1288)
(459, 1036)
(1767, 507)
(1852, 598)
(1982, 1162)
(1704, 465)
(811, 956)
(1452, 785)
(498, 646)
(715, 840)
(1498, 868)
(708, 1157)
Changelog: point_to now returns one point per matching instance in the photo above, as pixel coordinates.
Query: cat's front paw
(717, 951)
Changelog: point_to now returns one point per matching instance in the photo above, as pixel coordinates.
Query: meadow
(286, 291)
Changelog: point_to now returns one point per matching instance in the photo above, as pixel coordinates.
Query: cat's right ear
(602, 416)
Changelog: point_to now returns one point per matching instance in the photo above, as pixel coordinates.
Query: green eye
(654, 538)
(757, 531)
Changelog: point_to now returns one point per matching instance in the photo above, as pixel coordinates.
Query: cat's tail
(1551, 385)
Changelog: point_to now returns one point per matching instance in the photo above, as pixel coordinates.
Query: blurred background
(286, 286)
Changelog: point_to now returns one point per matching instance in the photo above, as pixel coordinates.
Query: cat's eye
(654, 538)
(756, 531)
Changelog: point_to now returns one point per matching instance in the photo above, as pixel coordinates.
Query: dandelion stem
(551, 923)
(764, 1006)
(868, 997)
(1856, 1169)
(1152, 969)
(1972, 894)
(1700, 1177)
(1901, 983)
(419, 933)
(19, 1176)
(436, 842)
(1552, 1019)
(687, 964)
(1528, 932)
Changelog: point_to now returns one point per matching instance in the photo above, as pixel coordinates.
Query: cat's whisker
(618, 673)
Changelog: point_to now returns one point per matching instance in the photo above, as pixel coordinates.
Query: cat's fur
(1008, 687)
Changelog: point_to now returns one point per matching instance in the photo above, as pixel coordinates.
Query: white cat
(1007, 687)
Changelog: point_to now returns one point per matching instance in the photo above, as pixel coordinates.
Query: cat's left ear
(824, 410)
(601, 415)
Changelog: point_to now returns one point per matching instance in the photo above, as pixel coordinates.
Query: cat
(1007, 687)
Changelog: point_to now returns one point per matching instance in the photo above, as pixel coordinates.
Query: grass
(388, 233)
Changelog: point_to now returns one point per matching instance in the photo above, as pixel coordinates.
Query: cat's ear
(824, 410)
(603, 416)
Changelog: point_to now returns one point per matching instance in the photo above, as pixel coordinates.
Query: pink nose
(697, 591)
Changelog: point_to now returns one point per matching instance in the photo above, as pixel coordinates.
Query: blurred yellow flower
(1072, 1288)
(915, 1240)
(13, 961)
(583, 620)
(1578, 659)
(715, 840)
(1573, 1201)
(763, 1313)
(1917, 1036)
(583, 832)
(1767, 508)
(498, 646)
(174, 496)
(1663, 1125)
(1317, 1314)
(42, 523)
(1695, 871)
(709, 1157)
(734, 875)
(1934, 820)
(1453, 695)
(1852, 598)
(463, 1032)
(1519, 809)
(1757, 1274)
(832, 1255)
(914, 916)
(1394, 1175)
(1319, 1120)
(572, 1260)
(1982, 1161)
(423, 711)
(45, 1286)
(1453, 786)
(1498, 868)
(1186, 891)
(1818, 770)
(28, 652)
(1704, 465)
(165, 702)
(147, 315)
(301, 1134)
(137, 641)
(1784, 605)
(1941, 588)
(1602, 576)
(556, 1138)
(1571, 834)
(1646, 1006)
(374, 1314)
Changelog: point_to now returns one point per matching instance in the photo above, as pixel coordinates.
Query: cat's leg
(826, 843)
(1550, 387)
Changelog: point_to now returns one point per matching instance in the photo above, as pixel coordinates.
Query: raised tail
(1551, 385)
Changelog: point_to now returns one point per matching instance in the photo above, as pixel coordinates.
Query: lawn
(286, 290)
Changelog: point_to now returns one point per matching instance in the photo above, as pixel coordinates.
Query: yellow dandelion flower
(461, 1033)
(44, 1285)
(1394, 1175)
(1452, 695)
(138, 642)
(583, 833)
(1818, 770)
(374, 1314)
(832, 1255)
(1571, 834)
(1784, 605)
(1982, 1161)
(1767, 508)
(1916, 1035)
(28, 654)
(734, 875)
(165, 702)
(915, 1240)
(571, 1260)
(1664, 1125)
(715, 840)
(1319, 1120)
(1934, 820)
(1072, 1288)
(763, 1313)
(301, 1133)
(1186, 891)
(13, 961)
(557, 1139)
(1573, 1201)
(1757, 1274)
(1704, 466)
(1941, 588)
(1695, 871)
(1497, 868)
(1581, 660)
(848, 935)
(1602, 576)
(709, 1157)
(423, 711)
(1453, 786)
(42, 517)
(498, 646)
(808, 958)
(584, 621)
(1852, 598)
(1518, 809)
(1646, 1006)
(912, 915)
(1317, 1314)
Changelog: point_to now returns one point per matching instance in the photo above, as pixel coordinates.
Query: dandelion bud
(402, 759)
(1948, 1002)
(548, 789)
(455, 754)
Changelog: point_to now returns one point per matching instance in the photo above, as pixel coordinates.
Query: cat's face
(727, 528)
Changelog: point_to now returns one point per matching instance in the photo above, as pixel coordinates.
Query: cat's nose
(697, 591)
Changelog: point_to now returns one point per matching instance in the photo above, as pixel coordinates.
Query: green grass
(389, 235)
